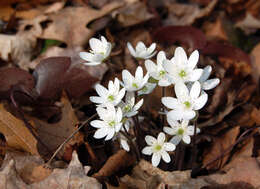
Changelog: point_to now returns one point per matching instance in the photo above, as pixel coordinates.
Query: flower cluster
(116, 105)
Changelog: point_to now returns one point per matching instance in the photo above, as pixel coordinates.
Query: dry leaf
(73, 177)
(16, 133)
(216, 30)
(249, 24)
(73, 30)
(220, 144)
(144, 175)
(256, 58)
(52, 135)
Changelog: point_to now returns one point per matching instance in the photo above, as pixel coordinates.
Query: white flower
(111, 95)
(110, 122)
(157, 71)
(181, 69)
(132, 83)
(186, 103)
(141, 52)
(158, 148)
(182, 131)
(129, 108)
(100, 50)
(207, 84)
(147, 89)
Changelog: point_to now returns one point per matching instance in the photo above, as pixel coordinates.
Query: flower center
(112, 123)
(135, 85)
(162, 73)
(187, 104)
(157, 147)
(182, 73)
(111, 98)
(127, 108)
(180, 131)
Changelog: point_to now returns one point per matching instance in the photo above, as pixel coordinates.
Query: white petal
(120, 95)
(118, 127)
(160, 58)
(181, 90)
(138, 105)
(131, 49)
(150, 140)
(200, 102)
(210, 84)
(139, 73)
(166, 157)
(189, 114)
(175, 140)
(95, 44)
(169, 130)
(150, 66)
(180, 55)
(100, 133)
(140, 46)
(119, 115)
(186, 139)
(148, 150)
(195, 74)
(190, 130)
(193, 60)
(130, 98)
(127, 77)
(173, 123)
(102, 91)
(151, 55)
(170, 102)
(164, 83)
(156, 158)
(151, 48)
(206, 73)
(108, 50)
(125, 145)
(110, 134)
(101, 112)
(96, 99)
(161, 138)
(175, 115)
(169, 146)
(168, 66)
(97, 124)
(92, 63)
(111, 86)
(195, 90)
(103, 39)
(86, 56)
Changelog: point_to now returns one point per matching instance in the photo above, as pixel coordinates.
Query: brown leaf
(220, 144)
(118, 161)
(16, 133)
(54, 134)
(249, 24)
(255, 115)
(73, 30)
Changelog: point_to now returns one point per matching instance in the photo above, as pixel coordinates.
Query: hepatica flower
(147, 89)
(109, 123)
(186, 103)
(100, 50)
(181, 130)
(111, 95)
(129, 107)
(140, 51)
(157, 71)
(182, 69)
(207, 84)
(136, 83)
(158, 148)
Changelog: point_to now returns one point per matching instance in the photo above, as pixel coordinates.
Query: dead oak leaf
(220, 144)
(16, 133)
(70, 24)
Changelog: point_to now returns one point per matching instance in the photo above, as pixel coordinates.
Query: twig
(70, 137)
(193, 155)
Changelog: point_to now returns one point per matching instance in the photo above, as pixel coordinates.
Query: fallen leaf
(73, 30)
(256, 58)
(16, 133)
(249, 24)
(220, 144)
(74, 177)
(52, 135)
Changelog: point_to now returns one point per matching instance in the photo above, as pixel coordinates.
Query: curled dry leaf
(73, 177)
(16, 133)
(219, 146)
